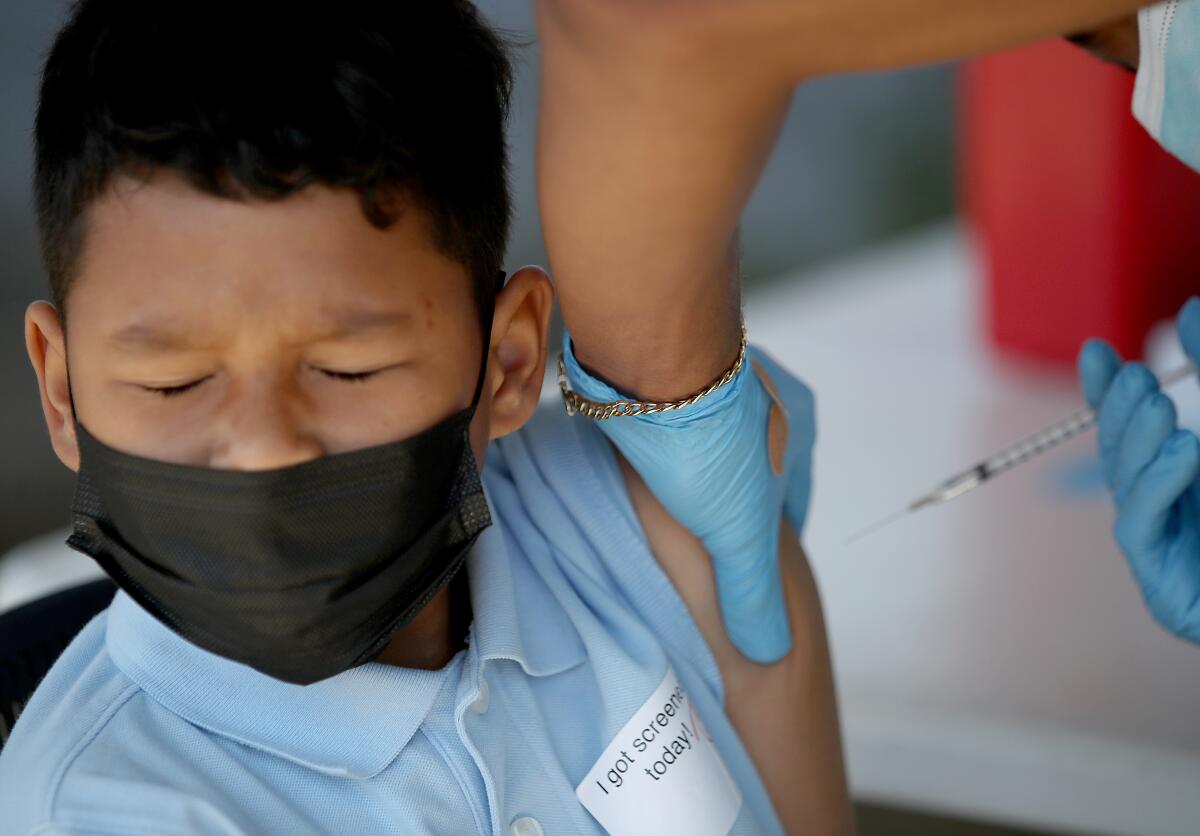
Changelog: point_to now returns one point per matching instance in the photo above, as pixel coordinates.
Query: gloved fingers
(750, 592)
(799, 491)
(777, 420)
(1132, 385)
(1098, 365)
(1189, 328)
(800, 404)
(797, 399)
(1143, 519)
(1151, 425)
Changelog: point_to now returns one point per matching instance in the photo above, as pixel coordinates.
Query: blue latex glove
(1153, 469)
(709, 464)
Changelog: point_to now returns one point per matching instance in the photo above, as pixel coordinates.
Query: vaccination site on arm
(370, 529)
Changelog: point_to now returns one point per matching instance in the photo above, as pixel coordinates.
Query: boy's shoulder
(77, 747)
(557, 479)
(559, 490)
(552, 430)
(562, 467)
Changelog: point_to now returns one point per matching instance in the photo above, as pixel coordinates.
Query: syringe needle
(871, 529)
(1011, 457)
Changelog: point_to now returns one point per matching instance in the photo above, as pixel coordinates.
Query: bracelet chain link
(576, 404)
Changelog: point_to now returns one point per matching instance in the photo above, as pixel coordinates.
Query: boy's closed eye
(177, 389)
(351, 377)
(172, 390)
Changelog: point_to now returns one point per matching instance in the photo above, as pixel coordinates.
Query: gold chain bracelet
(576, 404)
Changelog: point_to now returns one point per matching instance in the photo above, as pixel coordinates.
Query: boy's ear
(47, 349)
(520, 332)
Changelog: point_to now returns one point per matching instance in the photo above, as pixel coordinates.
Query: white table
(993, 655)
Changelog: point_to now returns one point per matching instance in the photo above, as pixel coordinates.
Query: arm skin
(657, 117)
(799, 39)
(786, 713)
(1116, 42)
(644, 166)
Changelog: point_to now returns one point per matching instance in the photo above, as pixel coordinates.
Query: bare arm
(1116, 42)
(786, 713)
(645, 161)
(646, 158)
(877, 34)
(657, 117)
(802, 38)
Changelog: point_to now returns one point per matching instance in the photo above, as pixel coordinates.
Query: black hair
(391, 98)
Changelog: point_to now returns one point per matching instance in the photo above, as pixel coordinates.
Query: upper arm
(796, 39)
(785, 713)
(646, 157)
(656, 120)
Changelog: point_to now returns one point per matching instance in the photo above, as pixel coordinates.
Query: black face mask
(301, 572)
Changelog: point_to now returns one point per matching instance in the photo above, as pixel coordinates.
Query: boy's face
(256, 335)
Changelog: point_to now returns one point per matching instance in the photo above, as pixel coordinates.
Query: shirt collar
(346, 725)
(356, 723)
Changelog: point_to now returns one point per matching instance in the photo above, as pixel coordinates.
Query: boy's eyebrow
(165, 336)
(150, 337)
(356, 321)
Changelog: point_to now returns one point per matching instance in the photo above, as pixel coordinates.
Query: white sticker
(662, 774)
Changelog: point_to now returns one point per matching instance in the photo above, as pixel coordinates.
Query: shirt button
(480, 705)
(527, 826)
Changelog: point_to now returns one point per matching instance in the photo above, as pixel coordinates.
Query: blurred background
(927, 249)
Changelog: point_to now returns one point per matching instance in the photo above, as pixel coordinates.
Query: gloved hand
(711, 466)
(1153, 469)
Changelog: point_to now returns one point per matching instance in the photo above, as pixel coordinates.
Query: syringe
(1014, 455)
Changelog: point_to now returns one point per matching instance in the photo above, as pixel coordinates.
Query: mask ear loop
(81, 432)
(501, 276)
(70, 388)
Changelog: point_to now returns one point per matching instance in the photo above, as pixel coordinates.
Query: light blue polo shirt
(137, 731)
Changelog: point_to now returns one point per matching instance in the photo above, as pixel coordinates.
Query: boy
(277, 355)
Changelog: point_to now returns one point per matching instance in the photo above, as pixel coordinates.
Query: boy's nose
(263, 436)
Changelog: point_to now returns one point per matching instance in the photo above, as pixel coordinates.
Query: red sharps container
(1086, 226)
